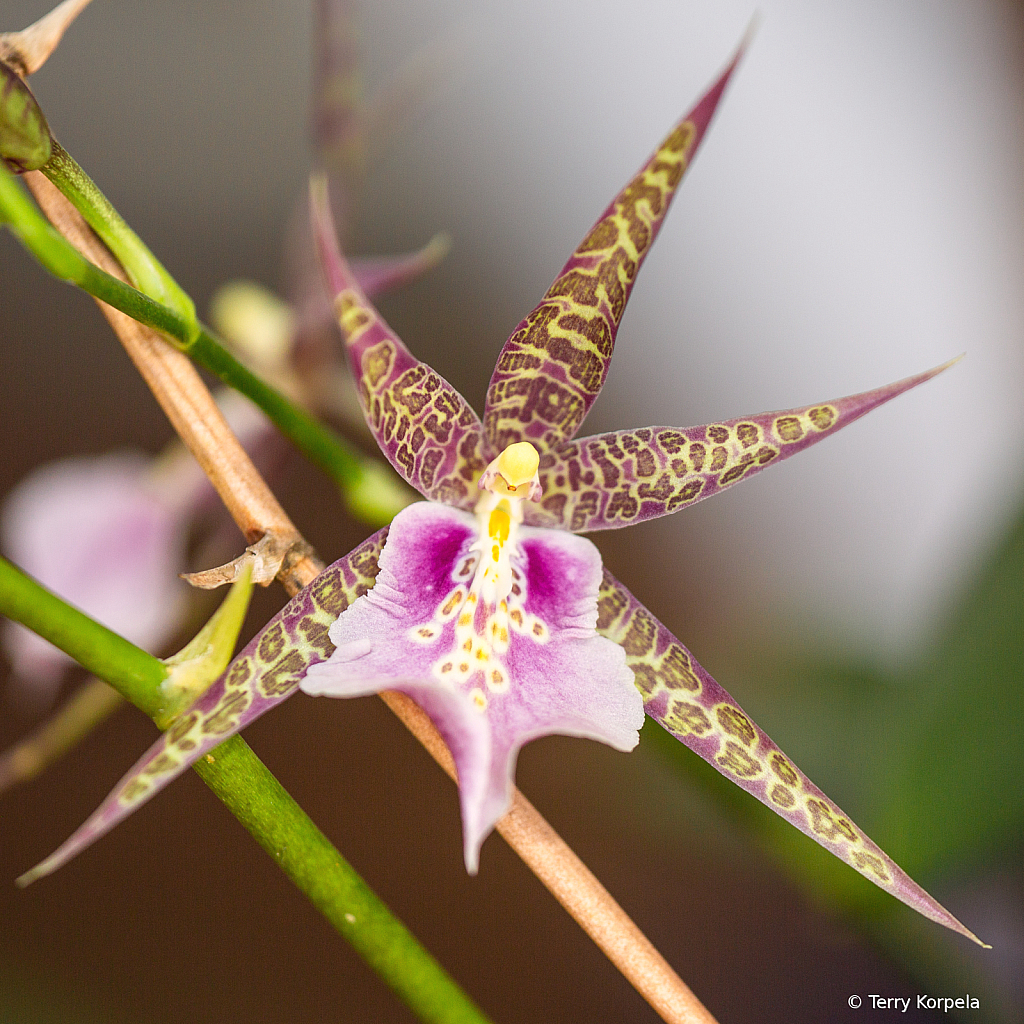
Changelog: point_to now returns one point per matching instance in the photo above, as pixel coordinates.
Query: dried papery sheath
(27, 51)
(266, 672)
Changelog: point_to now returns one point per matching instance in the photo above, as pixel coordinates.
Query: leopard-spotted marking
(690, 704)
(427, 430)
(266, 672)
(611, 480)
(555, 363)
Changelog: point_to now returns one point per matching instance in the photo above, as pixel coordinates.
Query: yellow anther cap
(518, 463)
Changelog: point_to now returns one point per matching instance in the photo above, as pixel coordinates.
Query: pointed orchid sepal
(475, 617)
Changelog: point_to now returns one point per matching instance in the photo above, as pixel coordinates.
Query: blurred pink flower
(106, 534)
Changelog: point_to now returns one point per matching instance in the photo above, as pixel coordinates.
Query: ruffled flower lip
(493, 667)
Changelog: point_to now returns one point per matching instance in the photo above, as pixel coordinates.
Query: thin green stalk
(306, 856)
(63, 260)
(129, 669)
(249, 790)
(318, 442)
(91, 704)
(144, 270)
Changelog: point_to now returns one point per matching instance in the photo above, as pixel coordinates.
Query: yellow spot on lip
(498, 525)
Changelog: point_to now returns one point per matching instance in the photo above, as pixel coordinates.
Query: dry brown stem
(195, 416)
(191, 409)
(572, 883)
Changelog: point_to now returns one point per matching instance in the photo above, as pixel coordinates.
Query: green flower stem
(319, 443)
(63, 260)
(305, 855)
(249, 790)
(144, 270)
(129, 669)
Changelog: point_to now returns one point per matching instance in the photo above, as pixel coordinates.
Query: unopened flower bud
(25, 143)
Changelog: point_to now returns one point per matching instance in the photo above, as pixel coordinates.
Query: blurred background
(855, 215)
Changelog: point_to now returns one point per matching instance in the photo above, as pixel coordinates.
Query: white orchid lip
(488, 601)
(489, 625)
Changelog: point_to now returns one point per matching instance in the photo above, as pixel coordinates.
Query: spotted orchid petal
(682, 697)
(614, 480)
(491, 674)
(266, 672)
(424, 427)
(554, 364)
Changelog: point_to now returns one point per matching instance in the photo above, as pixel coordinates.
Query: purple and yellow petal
(683, 698)
(614, 480)
(266, 672)
(338, 108)
(378, 275)
(553, 366)
(424, 427)
(492, 675)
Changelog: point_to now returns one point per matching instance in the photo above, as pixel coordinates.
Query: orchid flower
(483, 604)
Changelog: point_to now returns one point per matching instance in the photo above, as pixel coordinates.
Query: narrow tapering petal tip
(702, 114)
(888, 392)
(380, 275)
(436, 443)
(265, 673)
(336, 270)
(753, 27)
(554, 364)
(41, 870)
